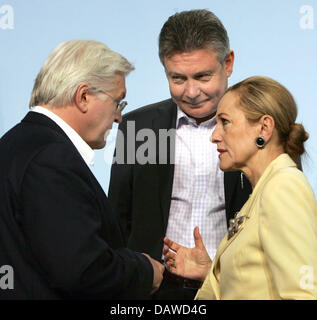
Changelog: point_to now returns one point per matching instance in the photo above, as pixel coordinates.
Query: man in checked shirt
(181, 186)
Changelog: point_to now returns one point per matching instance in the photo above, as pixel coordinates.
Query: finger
(171, 244)
(172, 267)
(165, 249)
(169, 264)
(169, 256)
(198, 239)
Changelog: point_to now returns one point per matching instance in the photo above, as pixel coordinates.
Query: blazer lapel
(165, 119)
(237, 191)
(231, 181)
(244, 214)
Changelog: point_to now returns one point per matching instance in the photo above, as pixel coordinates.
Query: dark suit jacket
(141, 193)
(57, 228)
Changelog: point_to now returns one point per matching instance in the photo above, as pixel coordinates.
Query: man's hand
(192, 263)
(158, 270)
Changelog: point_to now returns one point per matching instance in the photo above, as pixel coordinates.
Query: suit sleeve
(288, 233)
(66, 229)
(121, 182)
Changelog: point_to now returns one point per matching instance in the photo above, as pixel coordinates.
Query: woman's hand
(192, 263)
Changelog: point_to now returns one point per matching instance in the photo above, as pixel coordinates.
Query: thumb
(198, 240)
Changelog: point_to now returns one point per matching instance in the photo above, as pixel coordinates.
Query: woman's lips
(221, 152)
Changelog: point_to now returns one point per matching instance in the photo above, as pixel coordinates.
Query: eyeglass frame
(120, 105)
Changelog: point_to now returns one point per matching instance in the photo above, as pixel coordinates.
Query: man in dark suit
(58, 232)
(169, 183)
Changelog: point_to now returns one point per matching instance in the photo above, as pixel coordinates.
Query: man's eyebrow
(195, 75)
(175, 74)
(204, 73)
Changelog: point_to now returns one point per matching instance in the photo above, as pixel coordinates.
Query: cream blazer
(273, 255)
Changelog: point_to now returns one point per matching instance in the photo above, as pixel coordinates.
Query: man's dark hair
(192, 30)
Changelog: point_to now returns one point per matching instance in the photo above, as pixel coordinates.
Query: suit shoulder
(286, 179)
(149, 110)
(27, 142)
(288, 186)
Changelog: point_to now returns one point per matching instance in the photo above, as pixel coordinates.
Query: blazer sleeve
(72, 238)
(288, 234)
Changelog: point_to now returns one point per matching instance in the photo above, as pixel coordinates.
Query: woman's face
(234, 134)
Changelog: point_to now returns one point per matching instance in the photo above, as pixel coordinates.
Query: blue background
(267, 38)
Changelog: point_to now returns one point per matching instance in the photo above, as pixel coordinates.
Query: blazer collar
(40, 119)
(283, 161)
(83, 148)
(165, 119)
(69, 134)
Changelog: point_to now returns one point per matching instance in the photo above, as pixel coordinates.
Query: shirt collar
(83, 148)
(183, 118)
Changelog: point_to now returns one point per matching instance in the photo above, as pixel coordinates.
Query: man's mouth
(195, 104)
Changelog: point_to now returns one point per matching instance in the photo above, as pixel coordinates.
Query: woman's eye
(224, 121)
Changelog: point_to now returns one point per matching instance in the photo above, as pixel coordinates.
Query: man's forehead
(118, 87)
(198, 53)
(195, 62)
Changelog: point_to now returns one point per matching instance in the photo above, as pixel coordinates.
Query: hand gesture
(192, 263)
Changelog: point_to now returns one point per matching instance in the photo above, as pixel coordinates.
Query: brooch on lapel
(234, 225)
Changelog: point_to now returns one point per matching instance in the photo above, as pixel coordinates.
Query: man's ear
(81, 97)
(228, 63)
(267, 126)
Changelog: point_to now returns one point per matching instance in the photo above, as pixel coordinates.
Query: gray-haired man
(57, 229)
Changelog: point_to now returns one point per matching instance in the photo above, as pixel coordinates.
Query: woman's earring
(260, 142)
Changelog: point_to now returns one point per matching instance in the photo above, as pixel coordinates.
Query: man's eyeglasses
(120, 105)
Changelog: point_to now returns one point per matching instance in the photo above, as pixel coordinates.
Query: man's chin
(199, 113)
(97, 145)
(201, 117)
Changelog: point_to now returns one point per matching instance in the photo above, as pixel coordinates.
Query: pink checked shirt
(198, 190)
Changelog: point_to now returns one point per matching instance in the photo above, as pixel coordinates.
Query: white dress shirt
(83, 148)
(198, 186)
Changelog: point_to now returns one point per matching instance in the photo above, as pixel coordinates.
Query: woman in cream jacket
(270, 250)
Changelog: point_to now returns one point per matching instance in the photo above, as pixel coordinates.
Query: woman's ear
(81, 97)
(267, 126)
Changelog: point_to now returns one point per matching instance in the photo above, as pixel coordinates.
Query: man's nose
(192, 89)
(118, 117)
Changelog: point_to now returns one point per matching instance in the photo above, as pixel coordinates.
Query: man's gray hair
(73, 63)
(187, 31)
